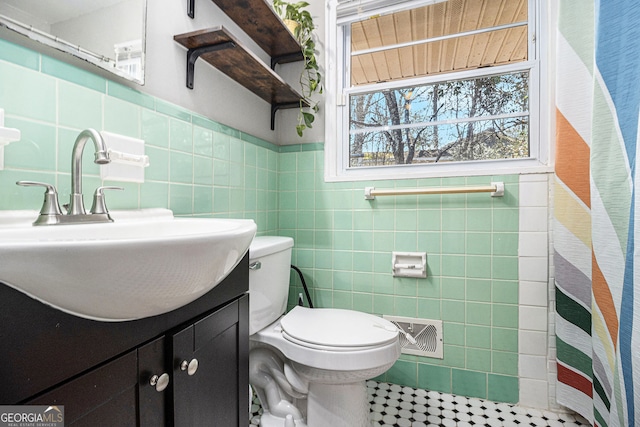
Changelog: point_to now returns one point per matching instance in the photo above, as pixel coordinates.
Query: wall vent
(419, 337)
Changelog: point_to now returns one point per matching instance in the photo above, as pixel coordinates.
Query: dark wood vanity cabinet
(100, 397)
(152, 404)
(102, 372)
(215, 384)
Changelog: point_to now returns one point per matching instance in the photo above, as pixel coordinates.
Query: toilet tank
(269, 268)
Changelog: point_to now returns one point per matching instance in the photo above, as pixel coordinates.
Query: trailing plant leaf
(310, 78)
(308, 119)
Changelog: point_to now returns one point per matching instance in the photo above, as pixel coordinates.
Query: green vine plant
(310, 77)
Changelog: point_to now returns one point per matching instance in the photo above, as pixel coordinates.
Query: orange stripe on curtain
(572, 159)
(604, 300)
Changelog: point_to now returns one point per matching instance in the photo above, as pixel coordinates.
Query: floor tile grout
(396, 406)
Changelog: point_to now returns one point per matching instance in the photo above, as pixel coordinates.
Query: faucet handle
(50, 212)
(50, 205)
(99, 206)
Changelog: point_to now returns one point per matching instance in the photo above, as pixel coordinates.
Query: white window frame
(337, 95)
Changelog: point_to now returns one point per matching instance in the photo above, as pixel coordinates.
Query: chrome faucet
(76, 204)
(50, 214)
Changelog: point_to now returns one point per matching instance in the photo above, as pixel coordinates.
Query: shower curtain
(595, 205)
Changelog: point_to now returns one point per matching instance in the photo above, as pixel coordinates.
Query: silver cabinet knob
(190, 367)
(160, 382)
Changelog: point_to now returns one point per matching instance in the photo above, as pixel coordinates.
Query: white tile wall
(532, 343)
(534, 269)
(534, 393)
(534, 190)
(533, 253)
(534, 293)
(532, 244)
(533, 318)
(534, 218)
(534, 367)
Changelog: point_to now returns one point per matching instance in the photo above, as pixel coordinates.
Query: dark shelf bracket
(194, 54)
(291, 57)
(276, 107)
(191, 8)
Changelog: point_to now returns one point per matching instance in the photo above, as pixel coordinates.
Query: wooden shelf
(260, 22)
(220, 49)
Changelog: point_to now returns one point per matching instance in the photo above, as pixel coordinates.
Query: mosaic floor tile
(396, 406)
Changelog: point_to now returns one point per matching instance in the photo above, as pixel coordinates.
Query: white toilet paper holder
(409, 264)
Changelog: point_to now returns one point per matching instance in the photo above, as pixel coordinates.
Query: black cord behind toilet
(304, 285)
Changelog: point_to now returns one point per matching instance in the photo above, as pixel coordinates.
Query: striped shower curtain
(594, 231)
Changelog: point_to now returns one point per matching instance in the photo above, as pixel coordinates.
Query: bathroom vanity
(116, 373)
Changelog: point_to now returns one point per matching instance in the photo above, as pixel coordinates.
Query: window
(432, 88)
(129, 58)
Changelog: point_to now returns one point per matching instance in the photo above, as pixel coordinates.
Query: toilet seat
(369, 353)
(336, 329)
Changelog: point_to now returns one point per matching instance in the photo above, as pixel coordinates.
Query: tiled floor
(396, 406)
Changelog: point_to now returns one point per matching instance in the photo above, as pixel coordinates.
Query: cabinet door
(210, 396)
(152, 396)
(103, 397)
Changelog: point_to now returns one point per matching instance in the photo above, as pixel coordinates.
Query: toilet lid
(337, 328)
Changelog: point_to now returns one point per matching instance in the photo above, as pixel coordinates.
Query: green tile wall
(198, 167)
(343, 242)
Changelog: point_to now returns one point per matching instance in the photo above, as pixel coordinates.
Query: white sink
(145, 263)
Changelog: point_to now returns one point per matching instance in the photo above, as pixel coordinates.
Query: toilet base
(335, 405)
(270, 420)
(338, 405)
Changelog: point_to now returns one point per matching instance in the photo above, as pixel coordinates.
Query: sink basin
(145, 263)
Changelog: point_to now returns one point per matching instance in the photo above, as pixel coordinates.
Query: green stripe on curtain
(570, 310)
(597, 386)
(574, 358)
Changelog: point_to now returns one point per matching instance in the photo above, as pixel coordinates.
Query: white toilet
(309, 366)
